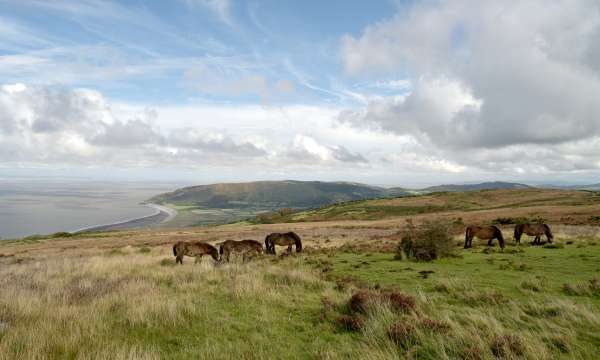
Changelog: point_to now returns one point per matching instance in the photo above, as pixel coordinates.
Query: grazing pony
(283, 239)
(195, 249)
(536, 230)
(246, 247)
(485, 233)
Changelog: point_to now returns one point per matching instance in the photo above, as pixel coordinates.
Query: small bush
(509, 220)
(542, 311)
(402, 334)
(507, 345)
(592, 288)
(434, 325)
(363, 300)
(400, 302)
(535, 285)
(61, 234)
(429, 241)
(115, 252)
(144, 250)
(517, 220)
(167, 262)
(350, 322)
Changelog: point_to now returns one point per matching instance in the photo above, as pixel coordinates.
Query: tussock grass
(131, 303)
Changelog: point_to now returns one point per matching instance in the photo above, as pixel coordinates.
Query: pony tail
(267, 248)
(175, 250)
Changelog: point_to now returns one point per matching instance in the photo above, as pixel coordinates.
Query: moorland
(120, 294)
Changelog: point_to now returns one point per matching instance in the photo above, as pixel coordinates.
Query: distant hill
(593, 187)
(272, 194)
(481, 186)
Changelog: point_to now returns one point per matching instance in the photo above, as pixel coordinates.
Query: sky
(394, 93)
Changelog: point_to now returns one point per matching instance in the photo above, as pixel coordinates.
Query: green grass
(136, 303)
(520, 293)
(503, 271)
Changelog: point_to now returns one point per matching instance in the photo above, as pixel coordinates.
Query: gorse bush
(429, 241)
(517, 220)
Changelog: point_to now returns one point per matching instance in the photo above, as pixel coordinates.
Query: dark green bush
(429, 241)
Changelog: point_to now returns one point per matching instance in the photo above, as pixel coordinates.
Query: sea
(29, 207)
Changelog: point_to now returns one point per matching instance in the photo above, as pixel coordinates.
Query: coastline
(162, 215)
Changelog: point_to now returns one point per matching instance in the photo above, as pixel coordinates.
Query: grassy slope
(579, 205)
(269, 194)
(118, 295)
(135, 302)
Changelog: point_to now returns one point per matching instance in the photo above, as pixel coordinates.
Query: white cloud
(504, 87)
(53, 127)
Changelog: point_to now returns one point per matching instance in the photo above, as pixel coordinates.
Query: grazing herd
(492, 232)
(247, 248)
(250, 248)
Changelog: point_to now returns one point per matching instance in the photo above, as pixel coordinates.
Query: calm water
(38, 207)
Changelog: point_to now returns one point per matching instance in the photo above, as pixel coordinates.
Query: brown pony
(536, 230)
(195, 249)
(246, 247)
(485, 233)
(283, 239)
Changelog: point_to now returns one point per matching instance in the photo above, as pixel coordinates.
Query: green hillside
(495, 185)
(271, 194)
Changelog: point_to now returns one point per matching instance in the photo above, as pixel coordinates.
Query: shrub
(363, 300)
(402, 334)
(429, 241)
(535, 284)
(434, 325)
(517, 220)
(61, 234)
(592, 288)
(400, 302)
(168, 262)
(506, 345)
(509, 220)
(350, 322)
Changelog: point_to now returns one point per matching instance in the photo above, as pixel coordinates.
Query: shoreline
(162, 215)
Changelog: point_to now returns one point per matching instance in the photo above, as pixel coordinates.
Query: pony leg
(179, 259)
(468, 242)
(289, 249)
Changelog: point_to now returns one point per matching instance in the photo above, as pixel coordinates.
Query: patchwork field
(119, 294)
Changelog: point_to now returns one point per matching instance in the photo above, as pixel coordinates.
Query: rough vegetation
(120, 295)
(428, 241)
